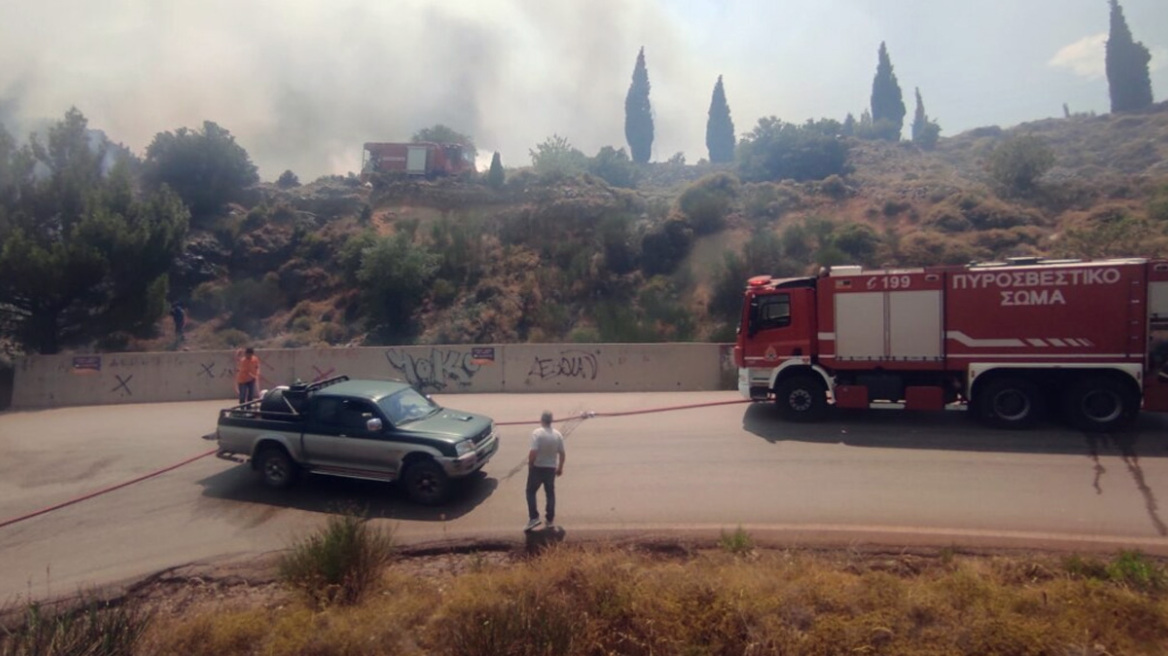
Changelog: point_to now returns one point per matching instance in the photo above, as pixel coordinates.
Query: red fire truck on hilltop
(419, 158)
(1011, 341)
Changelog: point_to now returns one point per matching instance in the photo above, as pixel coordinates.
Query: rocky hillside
(339, 261)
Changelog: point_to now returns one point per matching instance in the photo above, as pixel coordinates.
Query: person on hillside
(179, 314)
(545, 461)
(247, 374)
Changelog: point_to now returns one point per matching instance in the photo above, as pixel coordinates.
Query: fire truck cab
(1010, 341)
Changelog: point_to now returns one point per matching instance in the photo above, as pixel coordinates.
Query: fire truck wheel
(1010, 403)
(1100, 404)
(801, 398)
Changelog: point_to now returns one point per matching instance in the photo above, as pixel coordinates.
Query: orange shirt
(248, 370)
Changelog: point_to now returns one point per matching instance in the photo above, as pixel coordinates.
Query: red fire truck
(419, 158)
(1010, 341)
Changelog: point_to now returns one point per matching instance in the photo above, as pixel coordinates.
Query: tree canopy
(887, 102)
(719, 127)
(394, 276)
(206, 168)
(775, 150)
(557, 157)
(439, 133)
(81, 254)
(1127, 66)
(639, 114)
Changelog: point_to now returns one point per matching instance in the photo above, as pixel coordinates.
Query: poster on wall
(482, 355)
(86, 364)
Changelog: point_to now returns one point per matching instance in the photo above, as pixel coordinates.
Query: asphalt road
(881, 477)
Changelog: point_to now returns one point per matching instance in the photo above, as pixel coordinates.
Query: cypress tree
(887, 103)
(638, 113)
(1127, 66)
(849, 126)
(720, 128)
(495, 176)
(924, 131)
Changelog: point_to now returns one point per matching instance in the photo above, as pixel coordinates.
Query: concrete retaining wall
(43, 381)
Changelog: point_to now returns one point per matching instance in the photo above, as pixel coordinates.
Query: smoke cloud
(301, 85)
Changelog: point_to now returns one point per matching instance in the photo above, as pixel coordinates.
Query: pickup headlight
(464, 447)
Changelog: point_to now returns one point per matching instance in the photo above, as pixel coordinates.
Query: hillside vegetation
(557, 256)
(573, 248)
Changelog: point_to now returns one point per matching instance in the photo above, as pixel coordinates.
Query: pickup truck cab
(368, 429)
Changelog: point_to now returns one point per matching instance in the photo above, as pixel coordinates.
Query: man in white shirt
(545, 461)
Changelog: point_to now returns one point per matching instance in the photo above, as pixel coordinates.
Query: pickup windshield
(406, 405)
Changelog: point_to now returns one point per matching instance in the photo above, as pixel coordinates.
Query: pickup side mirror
(373, 425)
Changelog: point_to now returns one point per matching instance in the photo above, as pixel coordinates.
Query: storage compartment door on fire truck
(886, 317)
(416, 159)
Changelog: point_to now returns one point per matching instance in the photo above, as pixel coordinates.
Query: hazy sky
(303, 83)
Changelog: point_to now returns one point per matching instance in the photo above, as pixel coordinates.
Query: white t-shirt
(548, 444)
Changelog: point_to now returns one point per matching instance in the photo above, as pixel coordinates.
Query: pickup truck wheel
(276, 467)
(1012, 403)
(1100, 404)
(801, 398)
(426, 483)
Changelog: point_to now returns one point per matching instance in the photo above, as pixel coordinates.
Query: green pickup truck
(369, 429)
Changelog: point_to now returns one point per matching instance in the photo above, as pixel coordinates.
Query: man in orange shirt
(247, 375)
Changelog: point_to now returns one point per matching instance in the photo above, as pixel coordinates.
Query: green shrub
(555, 159)
(1018, 162)
(1135, 570)
(584, 335)
(339, 564)
(893, 208)
(229, 339)
(614, 167)
(208, 300)
(766, 200)
(394, 277)
(707, 202)
(249, 300)
(664, 248)
(858, 242)
(739, 542)
(332, 333)
(834, 186)
(443, 292)
(775, 150)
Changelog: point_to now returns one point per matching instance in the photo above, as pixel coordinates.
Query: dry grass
(608, 600)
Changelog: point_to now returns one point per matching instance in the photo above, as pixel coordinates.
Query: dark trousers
(545, 476)
(248, 391)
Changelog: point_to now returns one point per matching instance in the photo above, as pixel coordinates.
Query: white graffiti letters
(436, 371)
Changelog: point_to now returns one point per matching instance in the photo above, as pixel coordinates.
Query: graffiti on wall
(123, 386)
(572, 363)
(438, 370)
